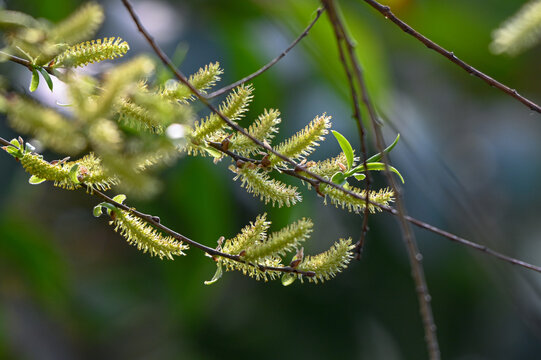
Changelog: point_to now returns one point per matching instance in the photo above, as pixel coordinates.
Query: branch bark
(388, 14)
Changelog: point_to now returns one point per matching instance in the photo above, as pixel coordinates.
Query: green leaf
(120, 198)
(34, 180)
(74, 172)
(288, 279)
(217, 275)
(346, 147)
(109, 207)
(376, 166)
(35, 80)
(13, 151)
(16, 143)
(47, 78)
(387, 150)
(339, 178)
(359, 176)
(212, 152)
(98, 210)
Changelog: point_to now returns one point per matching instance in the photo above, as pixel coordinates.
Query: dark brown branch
(271, 63)
(24, 62)
(414, 254)
(357, 115)
(386, 11)
(468, 243)
(316, 179)
(155, 221)
(183, 79)
(213, 252)
(220, 147)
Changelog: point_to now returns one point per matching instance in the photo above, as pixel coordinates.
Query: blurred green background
(70, 288)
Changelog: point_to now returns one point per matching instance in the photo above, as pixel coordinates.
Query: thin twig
(26, 63)
(270, 64)
(155, 221)
(213, 252)
(468, 243)
(386, 11)
(414, 254)
(316, 179)
(357, 115)
(416, 222)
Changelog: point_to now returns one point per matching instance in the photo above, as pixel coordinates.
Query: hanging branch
(155, 221)
(415, 257)
(316, 179)
(26, 63)
(271, 63)
(386, 11)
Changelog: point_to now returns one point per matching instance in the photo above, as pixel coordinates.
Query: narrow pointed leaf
(35, 80)
(74, 171)
(12, 151)
(98, 210)
(377, 166)
(217, 275)
(16, 143)
(212, 152)
(288, 279)
(120, 198)
(387, 150)
(107, 206)
(346, 147)
(339, 178)
(34, 180)
(47, 78)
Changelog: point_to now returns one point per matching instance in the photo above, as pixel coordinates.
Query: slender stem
(24, 62)
(213, 252)
(386, 11)
(414, 254)
(360, 127)
(471, 244)
(315, 179)
(271, 63)
(155, 221)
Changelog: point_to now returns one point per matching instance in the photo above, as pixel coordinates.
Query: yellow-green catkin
(303, 142)
(357, 204)
(329, 263)
(269, 190)
(89, 52)
(262, 129)
(143, 236)
(519, 32)
(35, 165)
(278, 243)
(80, 25)
(251, 234)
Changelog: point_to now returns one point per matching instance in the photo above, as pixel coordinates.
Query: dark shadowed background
(71, 288)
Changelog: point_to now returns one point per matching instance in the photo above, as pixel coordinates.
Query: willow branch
(357, 115)
(213, 252)
(26, 63)
(155, 221)
(414, 254)
(386, 11)
(271, 63)
(316, 179)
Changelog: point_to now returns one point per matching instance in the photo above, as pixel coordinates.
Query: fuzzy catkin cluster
(127, 126)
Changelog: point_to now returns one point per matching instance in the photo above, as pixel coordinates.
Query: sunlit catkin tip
(519, 32)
